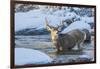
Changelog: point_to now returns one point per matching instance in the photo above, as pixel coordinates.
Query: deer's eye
(57, 32)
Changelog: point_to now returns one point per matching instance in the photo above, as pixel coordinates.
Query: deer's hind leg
(80, 45)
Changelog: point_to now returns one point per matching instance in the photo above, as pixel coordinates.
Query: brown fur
(71, 39)
(66, 41)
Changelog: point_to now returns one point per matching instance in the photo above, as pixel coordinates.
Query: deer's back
(70, 39)
(77, 35)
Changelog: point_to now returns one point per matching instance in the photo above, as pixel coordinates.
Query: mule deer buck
(67, 41)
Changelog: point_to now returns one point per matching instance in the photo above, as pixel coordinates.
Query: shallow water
(44, 44)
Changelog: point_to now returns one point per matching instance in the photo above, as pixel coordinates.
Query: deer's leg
(80, 45)
(75, 47)
(58, 50)
(58, 47)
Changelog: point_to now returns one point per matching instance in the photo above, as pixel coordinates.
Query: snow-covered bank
(29, 56)
(35, 18)
(77, 25)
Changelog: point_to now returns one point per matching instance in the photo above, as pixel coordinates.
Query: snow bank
(30, 56)
(88, 19)
(77, 25)
(34, 19)
(69, 15)
(31, 19)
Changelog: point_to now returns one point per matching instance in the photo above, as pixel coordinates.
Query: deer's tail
(87, 36)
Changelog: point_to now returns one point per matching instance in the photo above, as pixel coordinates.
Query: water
(44, 44)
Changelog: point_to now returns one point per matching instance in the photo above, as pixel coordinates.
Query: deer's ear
(60, 29)
(48, 28)
(61, 26)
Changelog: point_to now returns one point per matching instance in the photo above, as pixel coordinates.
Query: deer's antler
(60, 27)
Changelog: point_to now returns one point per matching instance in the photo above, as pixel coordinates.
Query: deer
(66, 41)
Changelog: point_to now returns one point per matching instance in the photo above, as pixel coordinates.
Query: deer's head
(54, 30)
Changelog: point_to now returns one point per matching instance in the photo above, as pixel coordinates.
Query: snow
(59, 13)
(30, 56)
(76, 8)
(77, 25)
(28, 20)
(69, 15)
(88, 19)
(36, 19)
(85, 56)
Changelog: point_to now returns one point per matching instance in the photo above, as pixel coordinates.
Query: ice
(30, 56)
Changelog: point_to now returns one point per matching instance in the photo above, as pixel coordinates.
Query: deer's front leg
(58, 47)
